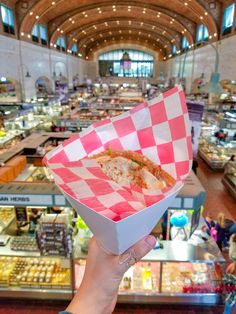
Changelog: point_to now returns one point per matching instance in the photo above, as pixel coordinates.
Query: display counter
(178, 273)
(10, 139)
(229, 178)
(214, 155)
(29, 145)
(35, 277)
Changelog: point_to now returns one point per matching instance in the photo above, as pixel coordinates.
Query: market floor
(217, 200)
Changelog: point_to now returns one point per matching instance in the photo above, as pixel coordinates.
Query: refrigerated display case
(178, 273)
(7, 216)
(229, 178)
(214, 155)
(28, 275)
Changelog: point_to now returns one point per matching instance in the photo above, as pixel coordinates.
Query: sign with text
(19, 199)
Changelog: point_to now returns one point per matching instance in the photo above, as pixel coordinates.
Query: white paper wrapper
(120, 216)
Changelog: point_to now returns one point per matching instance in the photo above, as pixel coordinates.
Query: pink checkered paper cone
(121, 215)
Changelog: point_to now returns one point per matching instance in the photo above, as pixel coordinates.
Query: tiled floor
(217, 200)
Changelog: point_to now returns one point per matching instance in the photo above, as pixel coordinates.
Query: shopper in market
(221, 231)
(98, 291)
(231, 269)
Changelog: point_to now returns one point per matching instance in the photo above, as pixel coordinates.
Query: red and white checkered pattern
(158, 129)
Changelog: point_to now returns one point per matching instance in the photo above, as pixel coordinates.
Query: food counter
(10, 139)
(178, 273)
(171, 274)
(35, 277)
(229, 178)
(95, 110)
(214, 155)
(7, 216)
(29, 145)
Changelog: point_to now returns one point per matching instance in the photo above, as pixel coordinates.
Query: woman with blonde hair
(221, 231)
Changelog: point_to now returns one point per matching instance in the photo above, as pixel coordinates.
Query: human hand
(103, 274)
(231, 269)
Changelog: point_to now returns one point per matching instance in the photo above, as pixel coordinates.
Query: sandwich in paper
(129, 167)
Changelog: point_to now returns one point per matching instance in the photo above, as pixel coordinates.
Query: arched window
(7, 19)
(174, 50)
(43, 34)
(128, 62)
(74, 49)
(61, 43)
(35, 33)
(228, 19)
(39, 33)
(185, 43)
(202, 33)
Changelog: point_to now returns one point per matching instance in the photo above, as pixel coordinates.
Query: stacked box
(54, 236)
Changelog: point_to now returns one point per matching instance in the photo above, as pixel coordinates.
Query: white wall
(202, 60)
(18, 57)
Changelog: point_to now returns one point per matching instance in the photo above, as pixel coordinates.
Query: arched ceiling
(93, 25)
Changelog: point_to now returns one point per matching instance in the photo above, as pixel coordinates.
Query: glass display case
(229, 178)
(177, 273)
(214, 155)
(7, 216)
(36, 264)
(30, 276)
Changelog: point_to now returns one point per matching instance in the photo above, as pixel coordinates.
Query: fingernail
(150, 240)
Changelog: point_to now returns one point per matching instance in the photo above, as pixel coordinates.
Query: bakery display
(33, 272)
(215, 156)
(129, 167)
(24, 243)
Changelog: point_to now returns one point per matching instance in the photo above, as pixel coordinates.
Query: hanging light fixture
(213, 86)
(27, 74)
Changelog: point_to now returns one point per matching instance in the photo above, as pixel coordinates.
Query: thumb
(136, 252)
(141, 248)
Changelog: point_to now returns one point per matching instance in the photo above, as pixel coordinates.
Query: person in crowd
(164, 225)
(221, 135)
(221, 231)
(53, 127)
(209, 221)
(229, 279)
(98, 291)
(195, 166)
(231, 269)
(230, 164)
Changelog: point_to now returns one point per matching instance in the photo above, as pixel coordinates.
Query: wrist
(92, 301)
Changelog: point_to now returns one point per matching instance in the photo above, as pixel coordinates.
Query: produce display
(33, 272)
